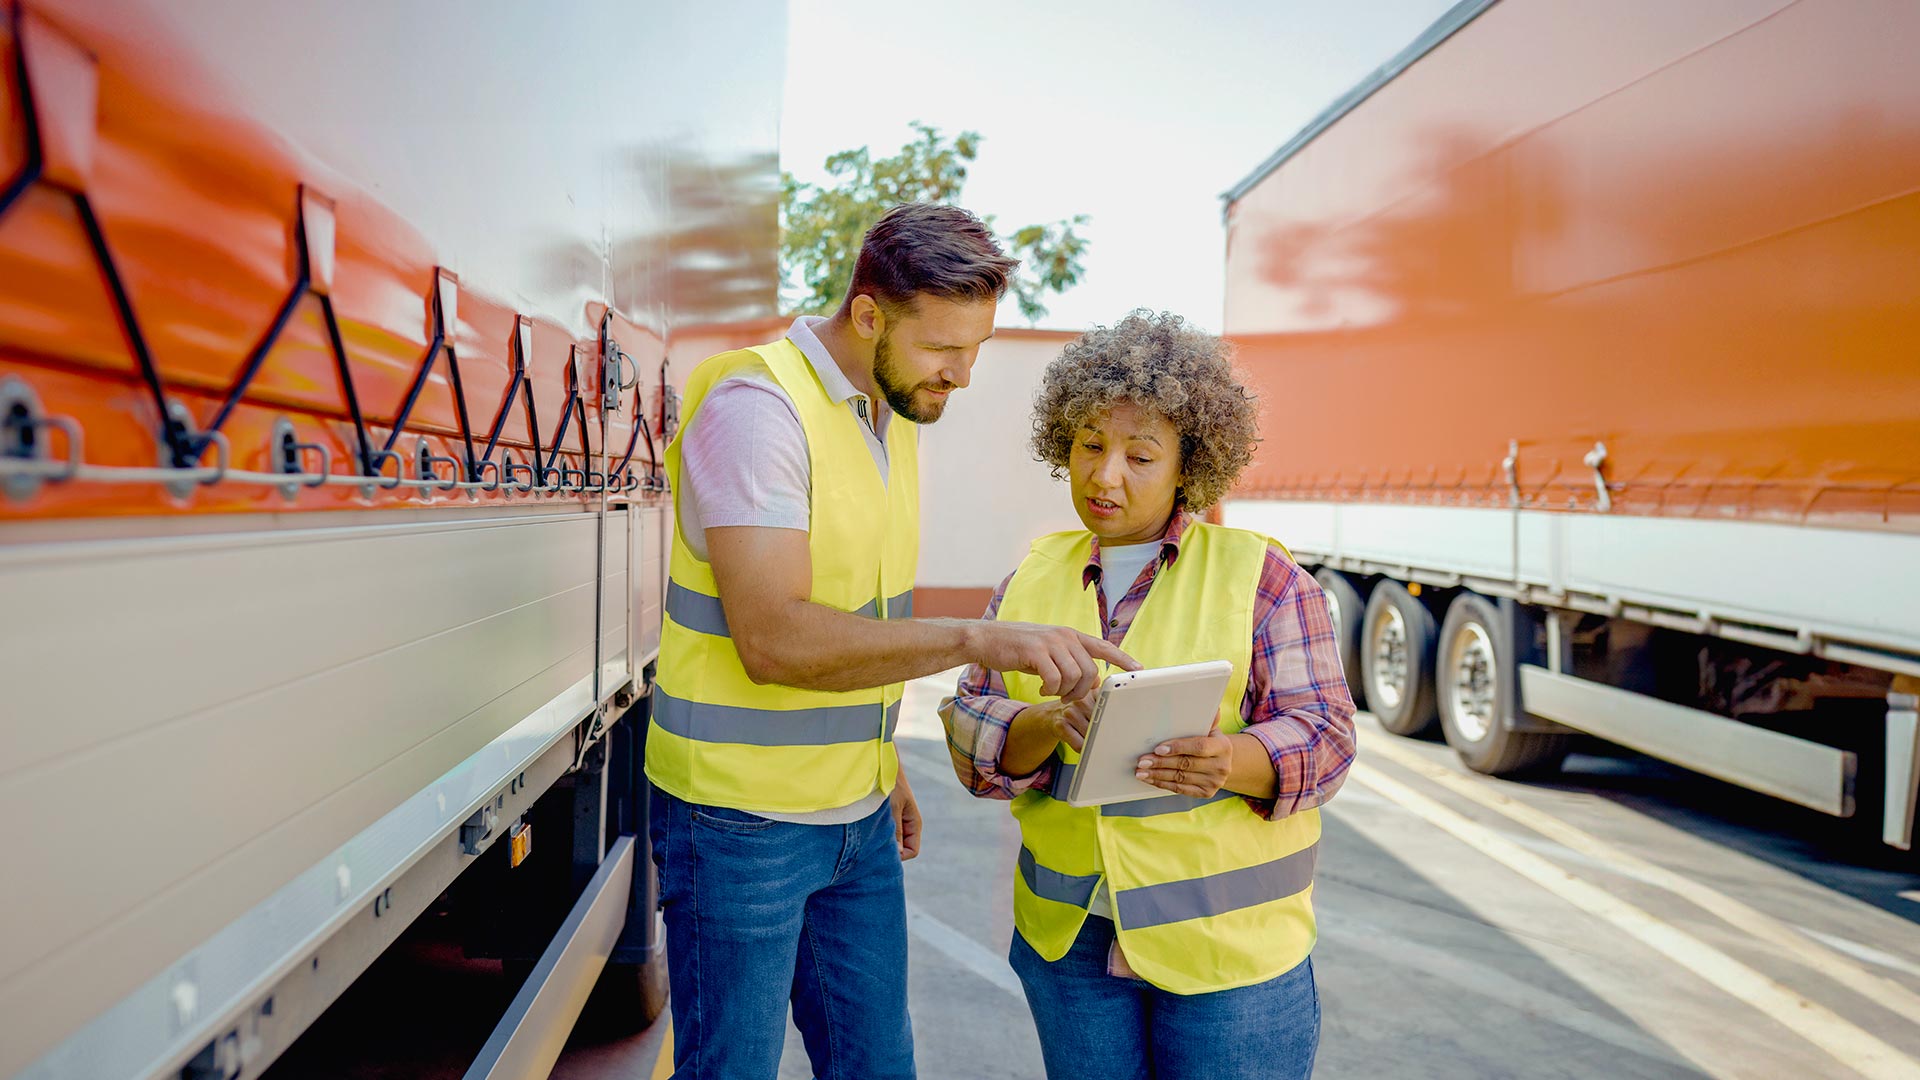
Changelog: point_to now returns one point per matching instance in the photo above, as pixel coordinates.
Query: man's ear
(868, 320)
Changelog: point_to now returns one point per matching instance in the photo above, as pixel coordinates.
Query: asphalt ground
(1624, 919)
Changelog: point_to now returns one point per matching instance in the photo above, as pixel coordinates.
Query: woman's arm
(990, 736)
(1298, 744)
(1302, 714)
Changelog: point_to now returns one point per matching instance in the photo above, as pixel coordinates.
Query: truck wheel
(1475, 681)
(1347, 609)
(1396, 660)
(628, 998)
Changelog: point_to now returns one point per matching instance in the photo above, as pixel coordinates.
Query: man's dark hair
(924, 248)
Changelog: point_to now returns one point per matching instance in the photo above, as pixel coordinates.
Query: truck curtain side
(333, 532)
(1596, 334)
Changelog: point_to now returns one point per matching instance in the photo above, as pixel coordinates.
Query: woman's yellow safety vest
(1207, 895)
(717, 737)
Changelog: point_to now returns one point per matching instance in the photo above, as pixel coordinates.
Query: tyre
(628, 998)
(1348, 610)
(1396, 660)
(1475, 683)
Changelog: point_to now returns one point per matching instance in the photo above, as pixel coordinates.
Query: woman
(1167, 937)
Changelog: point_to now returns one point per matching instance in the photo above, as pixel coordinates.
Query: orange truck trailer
(332, 523)
(1590, 337)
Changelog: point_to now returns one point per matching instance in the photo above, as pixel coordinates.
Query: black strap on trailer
(173, 433)
(183, 447)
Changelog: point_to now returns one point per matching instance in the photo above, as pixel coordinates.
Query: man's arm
(765, 577)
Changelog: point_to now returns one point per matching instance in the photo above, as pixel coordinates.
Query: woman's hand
(1068, 720)
(1038, 729)
(1198, 766)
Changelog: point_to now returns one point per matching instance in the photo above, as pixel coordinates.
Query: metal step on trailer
(1797, 770)
(528, 1039)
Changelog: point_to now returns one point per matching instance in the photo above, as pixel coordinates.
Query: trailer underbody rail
(529, 1038)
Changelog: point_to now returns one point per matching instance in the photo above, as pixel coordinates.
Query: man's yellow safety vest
(717, 737)
(1207, 895)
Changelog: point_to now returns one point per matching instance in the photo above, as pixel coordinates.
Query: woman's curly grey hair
(1160, 363)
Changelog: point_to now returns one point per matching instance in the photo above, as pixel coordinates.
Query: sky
(1138, 114)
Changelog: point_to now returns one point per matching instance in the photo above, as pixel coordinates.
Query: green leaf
(821, 226)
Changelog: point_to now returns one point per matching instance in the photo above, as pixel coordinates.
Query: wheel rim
(1388, 685)
(1333, 611)
(1470, 685)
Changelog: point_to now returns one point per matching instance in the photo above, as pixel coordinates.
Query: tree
(821, 227)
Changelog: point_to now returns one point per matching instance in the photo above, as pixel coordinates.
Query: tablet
(1135, 711)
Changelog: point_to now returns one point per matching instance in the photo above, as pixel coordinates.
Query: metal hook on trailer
(612, 360)
(288, 450)
(377, 479)
(1597, 457)
(1510, 465)
(180, 466)
(508, 468)
(480, 470)
(24, 453)
(222, 457)
(424, 461)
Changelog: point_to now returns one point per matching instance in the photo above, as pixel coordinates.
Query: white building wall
(983, 497)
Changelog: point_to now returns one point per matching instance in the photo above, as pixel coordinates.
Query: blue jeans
(1096, 1026)
(761, 913)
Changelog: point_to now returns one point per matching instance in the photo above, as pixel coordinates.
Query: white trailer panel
(1848, 586)
(228, 750)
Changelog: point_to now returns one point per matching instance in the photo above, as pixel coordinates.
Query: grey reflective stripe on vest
(1054, 885)
(771, 727)
(703, 613)
(696, 611)
(899, 607)
(1217, 894)
(1062, 780)
(1169, 803)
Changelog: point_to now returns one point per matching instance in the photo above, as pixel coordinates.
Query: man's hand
(1198, 766)
(906, 818)
(1067, 661)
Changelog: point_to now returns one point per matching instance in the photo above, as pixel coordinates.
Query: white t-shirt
(1119, 568)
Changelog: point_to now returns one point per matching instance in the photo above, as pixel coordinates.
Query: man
(780, 818)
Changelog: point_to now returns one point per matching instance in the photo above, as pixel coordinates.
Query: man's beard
(900, 396)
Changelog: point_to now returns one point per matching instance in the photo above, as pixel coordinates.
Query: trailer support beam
(1903, 762)
(1807, 773)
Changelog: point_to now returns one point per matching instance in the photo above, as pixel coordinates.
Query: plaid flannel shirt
(1297, 703)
